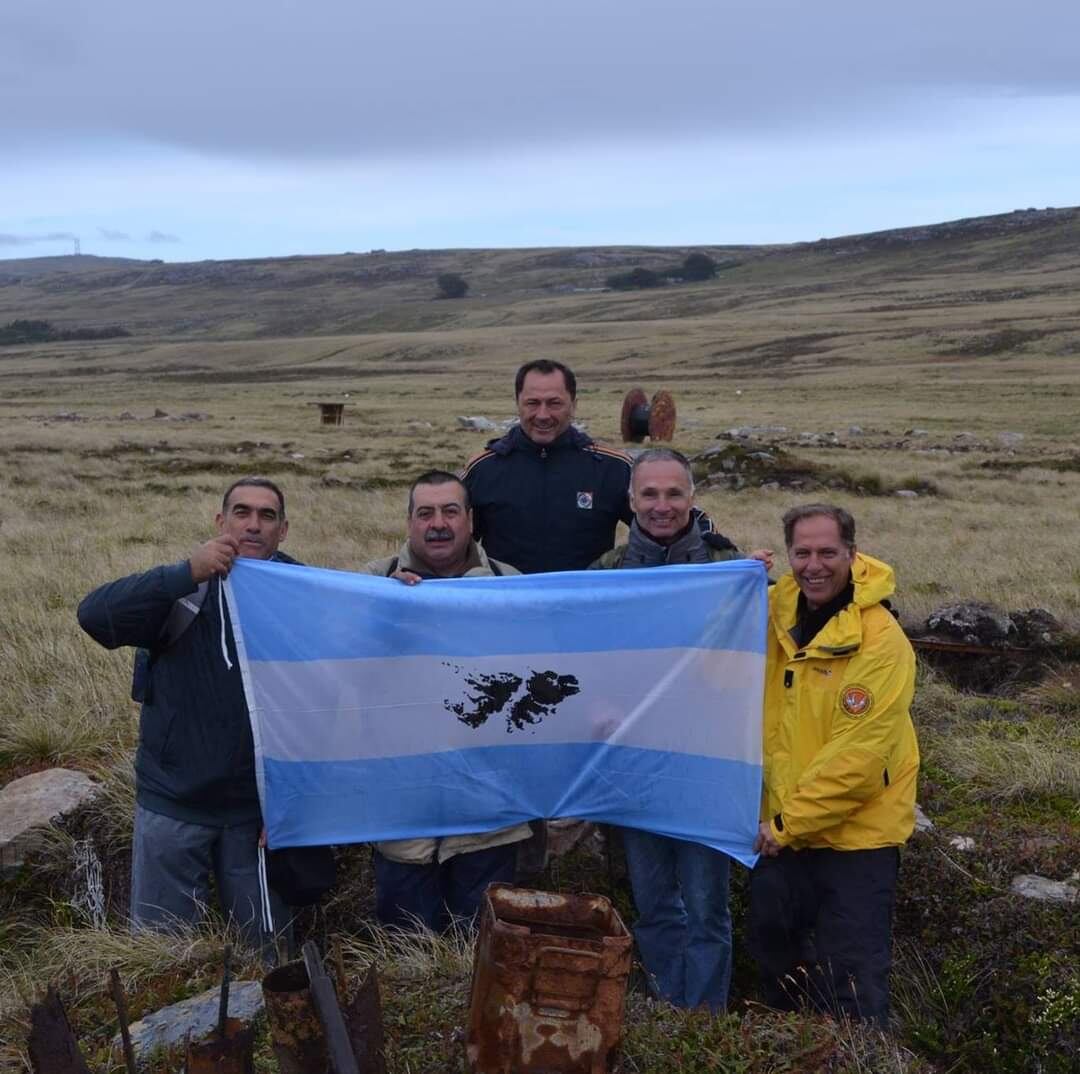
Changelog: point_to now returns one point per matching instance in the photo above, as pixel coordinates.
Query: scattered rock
(170, 1026)
(296, 455)
(922, 822)
(194, 415)
(477, 424)
(1010, 439)
(1045, 890)
(963, 843)
(855, 430)
(34, 801)
(418, 426)
(1036, 627)
(918, 433)
(754, 432)
(126, 415)
(906, 494)
(159, 413)
(1037, 843)
(973, 622)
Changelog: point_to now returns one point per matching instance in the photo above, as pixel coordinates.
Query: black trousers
(821, 929)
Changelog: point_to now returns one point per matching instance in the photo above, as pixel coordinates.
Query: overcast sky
(236, 128)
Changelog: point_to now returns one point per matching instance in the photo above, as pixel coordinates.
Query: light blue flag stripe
(307, 613)
(700, 799)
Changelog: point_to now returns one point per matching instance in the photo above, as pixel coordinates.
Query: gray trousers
(171, 865)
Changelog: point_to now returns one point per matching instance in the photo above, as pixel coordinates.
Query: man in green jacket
(431, 880)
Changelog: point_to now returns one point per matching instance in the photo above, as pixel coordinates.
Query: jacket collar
(874, 582)
(476, 561)
(516, 440)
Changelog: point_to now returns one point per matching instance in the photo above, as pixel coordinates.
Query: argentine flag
(385, 711)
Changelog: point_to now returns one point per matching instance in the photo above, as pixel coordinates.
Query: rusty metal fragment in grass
(51, 1043)
(296, 1034)
(231, 1052)
(549, 983)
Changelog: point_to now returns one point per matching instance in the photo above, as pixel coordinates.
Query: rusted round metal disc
(631, 431)
(662, 417)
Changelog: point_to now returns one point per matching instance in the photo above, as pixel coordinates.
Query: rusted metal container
(233, 1053)
(296, 1033)
(548, 983)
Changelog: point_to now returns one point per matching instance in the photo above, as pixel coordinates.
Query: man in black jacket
(546, 497)
(197, 809)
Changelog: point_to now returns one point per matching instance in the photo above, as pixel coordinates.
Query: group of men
(840, 755)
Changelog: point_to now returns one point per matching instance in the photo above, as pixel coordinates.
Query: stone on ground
(194, 1017)
(32, 802)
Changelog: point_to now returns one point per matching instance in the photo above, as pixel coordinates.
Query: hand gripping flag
(385, 711)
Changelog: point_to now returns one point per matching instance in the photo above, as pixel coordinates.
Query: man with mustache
(197, 810)
(432, 880)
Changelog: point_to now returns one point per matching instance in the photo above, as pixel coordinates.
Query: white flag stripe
(659, 699)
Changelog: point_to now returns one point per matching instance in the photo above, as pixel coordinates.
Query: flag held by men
(384, 711)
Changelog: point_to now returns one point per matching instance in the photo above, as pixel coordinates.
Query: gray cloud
(109, 235)
(342, 79)
(161, 236)
(8, 239)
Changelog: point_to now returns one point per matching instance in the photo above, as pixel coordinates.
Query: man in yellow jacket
(438, 881)
(841, 761)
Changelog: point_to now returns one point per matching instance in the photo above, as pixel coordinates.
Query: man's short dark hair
(662, 454)
(254, 482)
(437, 477)
(545, 366)
(842, 518)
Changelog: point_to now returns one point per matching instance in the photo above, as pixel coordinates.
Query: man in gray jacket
(197, 810)
(435, 881)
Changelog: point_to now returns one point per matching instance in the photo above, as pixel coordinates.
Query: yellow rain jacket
(841, 757)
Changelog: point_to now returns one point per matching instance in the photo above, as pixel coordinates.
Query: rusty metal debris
(295, 1032)
(640, 418)
(549, 981)
(117, 991)
(230, 1049)
(298, 1035)
(51, 1043)
(325, 1000)
(937, 645)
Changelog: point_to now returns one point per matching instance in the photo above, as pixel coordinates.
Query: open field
(916, 341)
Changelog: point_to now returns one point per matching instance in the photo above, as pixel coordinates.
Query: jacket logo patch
(584, 501)
(856, 700)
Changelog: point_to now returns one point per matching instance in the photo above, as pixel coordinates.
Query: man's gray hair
(842, 518)
(662, 454)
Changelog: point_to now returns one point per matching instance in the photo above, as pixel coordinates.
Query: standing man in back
(546, 497)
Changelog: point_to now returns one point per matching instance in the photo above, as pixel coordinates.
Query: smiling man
(428, 880)
(197, 809)
(683, 930)
(841, 762)
(545, 496)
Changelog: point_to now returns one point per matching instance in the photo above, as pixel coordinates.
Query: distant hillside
(395, 291)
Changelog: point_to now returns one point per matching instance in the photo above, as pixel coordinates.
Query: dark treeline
(29, 331)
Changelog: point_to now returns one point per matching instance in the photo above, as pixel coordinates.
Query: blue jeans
(437, 894)
(172, 861)
(683, 930)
